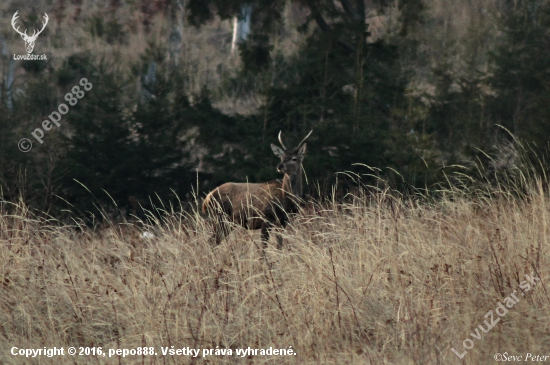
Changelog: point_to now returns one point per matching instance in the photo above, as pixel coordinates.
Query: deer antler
(303, 140)
(281, 140)
(24, 35)
(13, 21)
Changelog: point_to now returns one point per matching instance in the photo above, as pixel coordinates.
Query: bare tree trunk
(9, 84)
(241, 27)
(174, 39)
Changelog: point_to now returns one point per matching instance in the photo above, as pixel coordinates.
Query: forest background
(188, 94)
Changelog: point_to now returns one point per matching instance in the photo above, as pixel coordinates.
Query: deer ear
(302, 150)
(278, 151)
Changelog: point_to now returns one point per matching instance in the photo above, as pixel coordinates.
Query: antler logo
(29, 40)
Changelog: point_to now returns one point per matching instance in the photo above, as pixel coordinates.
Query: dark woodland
(190, 94)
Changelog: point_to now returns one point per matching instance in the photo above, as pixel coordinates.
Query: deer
(259, 205)
(29, 40)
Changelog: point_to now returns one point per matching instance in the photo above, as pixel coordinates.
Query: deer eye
(294, 158)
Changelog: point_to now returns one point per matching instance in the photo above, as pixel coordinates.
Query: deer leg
(266, 228)
(282, 223)
(279, 242)
(265, 233)
(221, 230)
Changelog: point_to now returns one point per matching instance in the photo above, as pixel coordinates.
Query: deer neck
(292, 185)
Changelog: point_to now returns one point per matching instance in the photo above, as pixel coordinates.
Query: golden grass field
(378, 280)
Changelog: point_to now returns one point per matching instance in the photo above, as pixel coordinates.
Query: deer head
(291, 160)
(29, 40)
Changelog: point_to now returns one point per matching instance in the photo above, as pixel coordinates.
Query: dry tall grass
(380, 280)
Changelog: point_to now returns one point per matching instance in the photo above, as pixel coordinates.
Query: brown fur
(245, 204)
(260, 205)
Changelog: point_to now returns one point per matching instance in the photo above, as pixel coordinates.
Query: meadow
(381, 278)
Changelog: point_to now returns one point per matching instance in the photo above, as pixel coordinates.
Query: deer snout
(280, 167)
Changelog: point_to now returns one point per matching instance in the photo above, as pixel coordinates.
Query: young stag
(261, 205)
